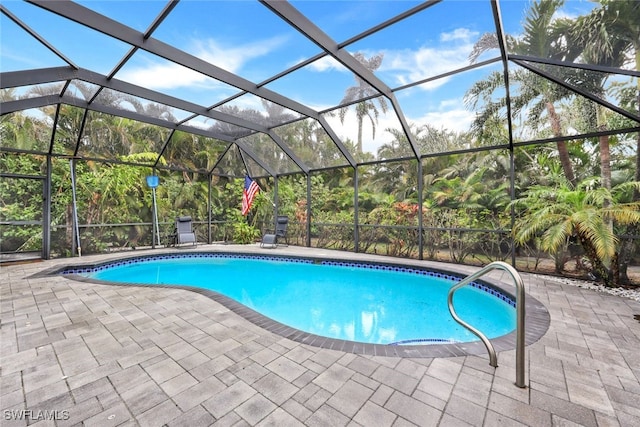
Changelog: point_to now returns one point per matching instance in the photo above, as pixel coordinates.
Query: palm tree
(592, 33)
(558, 213)
(24, 132)
(152, 109)
(610, 36)
(360, 91)
(275, 113)
(8, 94)
(541, 38)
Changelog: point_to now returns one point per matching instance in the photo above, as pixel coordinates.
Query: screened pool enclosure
(463, 131)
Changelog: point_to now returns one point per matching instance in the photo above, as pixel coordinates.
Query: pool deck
(88, 354)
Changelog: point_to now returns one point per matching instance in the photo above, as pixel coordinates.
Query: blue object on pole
(153, 181)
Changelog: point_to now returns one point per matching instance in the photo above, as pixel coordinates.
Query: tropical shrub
(589, 214)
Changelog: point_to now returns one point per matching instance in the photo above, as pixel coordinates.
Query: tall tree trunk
(68, 230)
(605, 153)
(600, 271)
(605, 166)
(563, 151)
(605, 173)
(359, 142)
(615, 270)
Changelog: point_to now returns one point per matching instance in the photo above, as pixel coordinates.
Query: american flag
(251, 188)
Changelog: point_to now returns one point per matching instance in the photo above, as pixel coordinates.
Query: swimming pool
(358, 302)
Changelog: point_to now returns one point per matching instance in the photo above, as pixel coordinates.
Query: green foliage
(558, 214)
(244, 233)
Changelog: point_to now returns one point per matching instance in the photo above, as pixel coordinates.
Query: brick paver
(81, 353)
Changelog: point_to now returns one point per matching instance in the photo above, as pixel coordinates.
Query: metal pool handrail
(520, 315)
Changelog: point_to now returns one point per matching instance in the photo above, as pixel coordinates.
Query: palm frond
(556, 236)
(600, 235)
(536, 223)
(485, 43)
(623, 214)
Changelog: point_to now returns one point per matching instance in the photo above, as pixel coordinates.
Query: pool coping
(537, 319)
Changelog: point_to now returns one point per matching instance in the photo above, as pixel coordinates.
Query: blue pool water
(343, 302)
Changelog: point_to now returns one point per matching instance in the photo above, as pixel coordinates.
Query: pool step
(424, 341)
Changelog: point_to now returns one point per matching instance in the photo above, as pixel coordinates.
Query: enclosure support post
(209, 209)
(275, 202)
(76, 227)
(512, 194)
(46, 213)
(502, 43)
(154, 221)
(308, 225)
(420, 219)
(155, 218)
(356, 231)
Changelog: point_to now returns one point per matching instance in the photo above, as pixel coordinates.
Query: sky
(244, 37)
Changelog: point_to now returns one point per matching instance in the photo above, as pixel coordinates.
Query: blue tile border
(537, 323)
(330, 262)
(146, 258)
(425, 272)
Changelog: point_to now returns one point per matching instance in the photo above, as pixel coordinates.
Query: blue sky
(245, 38)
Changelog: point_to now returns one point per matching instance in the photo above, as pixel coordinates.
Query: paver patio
(88, 354)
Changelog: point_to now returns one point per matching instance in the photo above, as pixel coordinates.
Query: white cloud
(448, 103)
(163, 76)
(564, 14)
(168, 75)
(349, 130)
(458, 119)
(459, 34)
(232, 58)
(413, 65)
(326, 63)
(449, 114)
(409, 66)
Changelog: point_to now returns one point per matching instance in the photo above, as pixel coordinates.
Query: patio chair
(184, 231)
(272, 239)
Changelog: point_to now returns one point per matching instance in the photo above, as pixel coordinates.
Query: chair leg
(269, 239)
